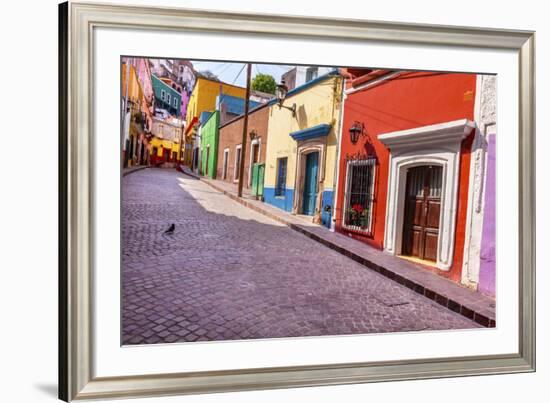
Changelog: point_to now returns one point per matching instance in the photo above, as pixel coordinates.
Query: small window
(359, 195)
(162, 95)
(175, 102)
(312, 73)
(168, 99)
(280, 186)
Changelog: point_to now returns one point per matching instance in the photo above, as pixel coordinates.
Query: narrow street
(228, 273)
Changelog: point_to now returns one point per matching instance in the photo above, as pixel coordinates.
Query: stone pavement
(229, 272)
(471, 304)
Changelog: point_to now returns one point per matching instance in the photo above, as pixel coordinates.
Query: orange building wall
(411, 100)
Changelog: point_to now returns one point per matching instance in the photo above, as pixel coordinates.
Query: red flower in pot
(357, 208)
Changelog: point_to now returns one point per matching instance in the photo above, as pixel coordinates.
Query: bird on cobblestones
(171, 229)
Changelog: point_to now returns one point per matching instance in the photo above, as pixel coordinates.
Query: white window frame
(238, 148)
(314, 71)
(175, 102)
(162, 95)
(347, 195)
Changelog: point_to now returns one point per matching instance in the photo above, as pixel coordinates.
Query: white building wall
(485, 115)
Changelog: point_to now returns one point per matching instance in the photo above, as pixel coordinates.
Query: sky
(234, 73)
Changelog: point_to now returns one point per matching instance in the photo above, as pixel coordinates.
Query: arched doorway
(422, 212)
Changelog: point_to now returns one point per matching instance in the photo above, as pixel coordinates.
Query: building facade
(300, 75)
(179, 74)
(302, 149)
(230, 107)
(230, 145)
(406, 166)
(203, 99)
(209, 145)
(185, 76)
(166, 141)
(196, 146)
(136, 115)
(166, 97)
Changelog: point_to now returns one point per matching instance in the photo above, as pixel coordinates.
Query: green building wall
(209, 145)
(171, 107)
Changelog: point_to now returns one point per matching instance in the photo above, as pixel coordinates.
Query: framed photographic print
(261, 201)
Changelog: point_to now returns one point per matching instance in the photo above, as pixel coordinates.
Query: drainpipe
(337, 156)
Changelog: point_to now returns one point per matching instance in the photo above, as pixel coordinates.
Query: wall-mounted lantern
(281, 93)
(253, 134)
(356, 130)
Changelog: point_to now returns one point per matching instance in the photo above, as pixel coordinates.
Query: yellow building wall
(319, 104)
(203, 97)
(167, 144)
(135, 93)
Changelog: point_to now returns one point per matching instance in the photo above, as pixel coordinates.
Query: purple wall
(487, 275)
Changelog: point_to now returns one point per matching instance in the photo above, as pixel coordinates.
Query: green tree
(264, 83)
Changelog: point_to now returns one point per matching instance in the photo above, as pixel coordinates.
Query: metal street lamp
(281, 93)
(356, 130)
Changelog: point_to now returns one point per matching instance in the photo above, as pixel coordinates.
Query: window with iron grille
(359, 195)
(280, 186)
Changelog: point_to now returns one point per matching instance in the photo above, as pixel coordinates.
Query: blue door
(310, 184)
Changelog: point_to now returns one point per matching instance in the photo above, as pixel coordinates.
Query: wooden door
(310, 183)
(255, 158)
(422, 212)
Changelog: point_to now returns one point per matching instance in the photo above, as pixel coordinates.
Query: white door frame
(235, 167)
(252, 144)
(303, 149)
(427, 145)
(225, 163)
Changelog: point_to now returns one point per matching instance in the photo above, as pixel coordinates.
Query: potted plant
(357, 210)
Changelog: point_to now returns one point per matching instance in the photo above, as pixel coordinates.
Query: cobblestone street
(228, 272)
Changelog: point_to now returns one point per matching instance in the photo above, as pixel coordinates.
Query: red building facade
(404, 164)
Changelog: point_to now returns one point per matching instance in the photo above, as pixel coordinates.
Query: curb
(131, 171)
(467, 312)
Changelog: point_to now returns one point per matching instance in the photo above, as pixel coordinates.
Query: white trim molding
(485, 118)
(225, 163)
(237, 162)
(376, 81)
(304, 148)
(427, 145)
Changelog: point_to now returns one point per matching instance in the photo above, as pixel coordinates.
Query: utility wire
(233, 83)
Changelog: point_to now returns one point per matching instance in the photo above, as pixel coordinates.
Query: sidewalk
(468, 303)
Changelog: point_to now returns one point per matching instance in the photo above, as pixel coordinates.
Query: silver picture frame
(77, 22)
